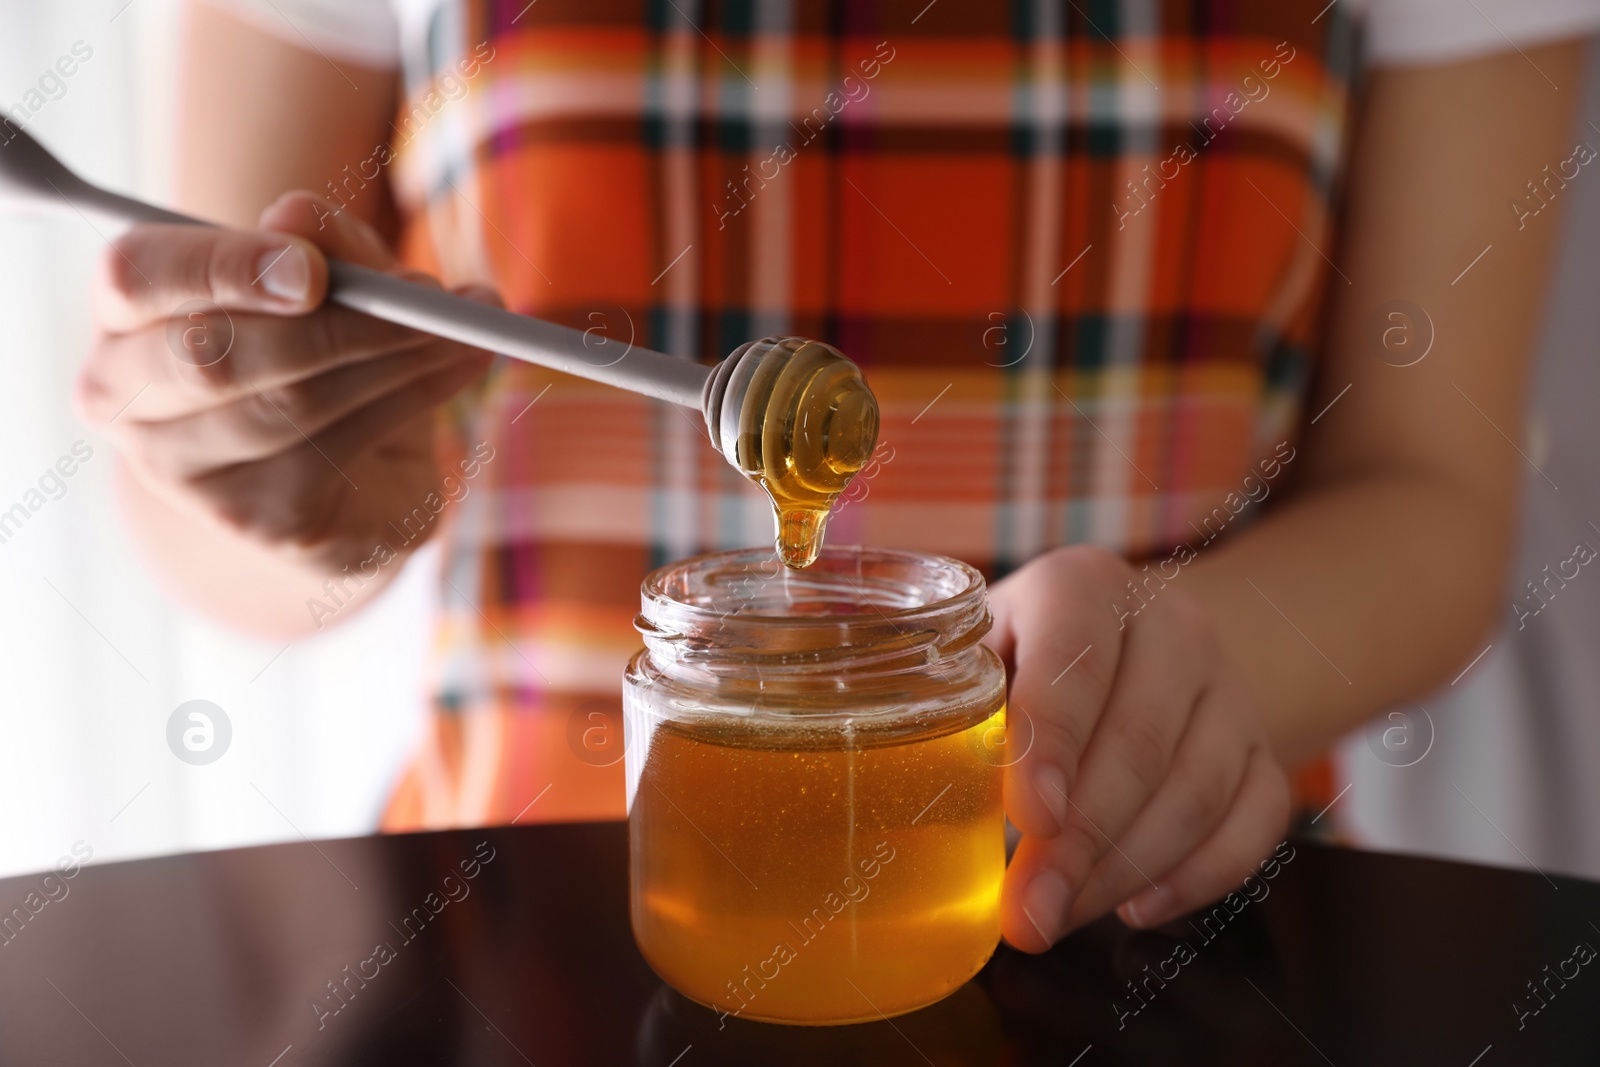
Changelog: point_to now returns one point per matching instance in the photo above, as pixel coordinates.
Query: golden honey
(814, 884)
(814, 765)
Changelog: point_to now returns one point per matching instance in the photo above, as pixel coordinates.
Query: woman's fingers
(338, 233)
(184, 329)
(233, 392)
(1198, 792)
(151, 271)
(254, 353)
(1165, 656)
(1254, 823)
(254, 384)
(262, 422)
(293, 496)
(1104, 717)
(1141, 772)
(1056, 632)
(1055, 884)
(351, 436)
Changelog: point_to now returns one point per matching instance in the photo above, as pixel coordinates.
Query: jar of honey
(814, 765)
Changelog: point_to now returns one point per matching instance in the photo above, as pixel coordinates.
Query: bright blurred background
(93, 659)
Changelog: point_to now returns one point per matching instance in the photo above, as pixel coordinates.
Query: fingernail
(1051, 785)
(285, 273)
(1045, 904)
(1150, 908)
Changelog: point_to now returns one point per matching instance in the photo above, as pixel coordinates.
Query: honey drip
(807, 423)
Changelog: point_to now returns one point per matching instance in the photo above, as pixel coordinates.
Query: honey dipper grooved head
(796, 417)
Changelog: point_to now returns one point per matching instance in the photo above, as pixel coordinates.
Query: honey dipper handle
(31, 176)
(598, 357)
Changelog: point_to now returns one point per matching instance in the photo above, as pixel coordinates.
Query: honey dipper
(792, 415)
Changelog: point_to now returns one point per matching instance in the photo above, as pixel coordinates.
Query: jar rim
(654, 588)
(719, 609)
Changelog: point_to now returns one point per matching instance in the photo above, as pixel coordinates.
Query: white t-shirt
(374, 32)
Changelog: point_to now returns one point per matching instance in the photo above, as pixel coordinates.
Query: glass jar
(814, 782)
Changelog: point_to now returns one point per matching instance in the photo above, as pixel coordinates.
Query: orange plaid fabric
(1074, 247)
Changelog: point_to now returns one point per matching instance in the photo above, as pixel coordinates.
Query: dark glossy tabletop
(226, 958)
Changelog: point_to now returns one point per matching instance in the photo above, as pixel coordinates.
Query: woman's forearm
(1374, 575)
(1351, 597)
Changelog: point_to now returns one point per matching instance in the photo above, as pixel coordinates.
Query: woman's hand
(1147, 784)
(313, 432)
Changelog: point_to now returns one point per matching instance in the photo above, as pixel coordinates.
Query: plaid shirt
(1075, 247)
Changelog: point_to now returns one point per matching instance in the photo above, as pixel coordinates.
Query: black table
(227, 958)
